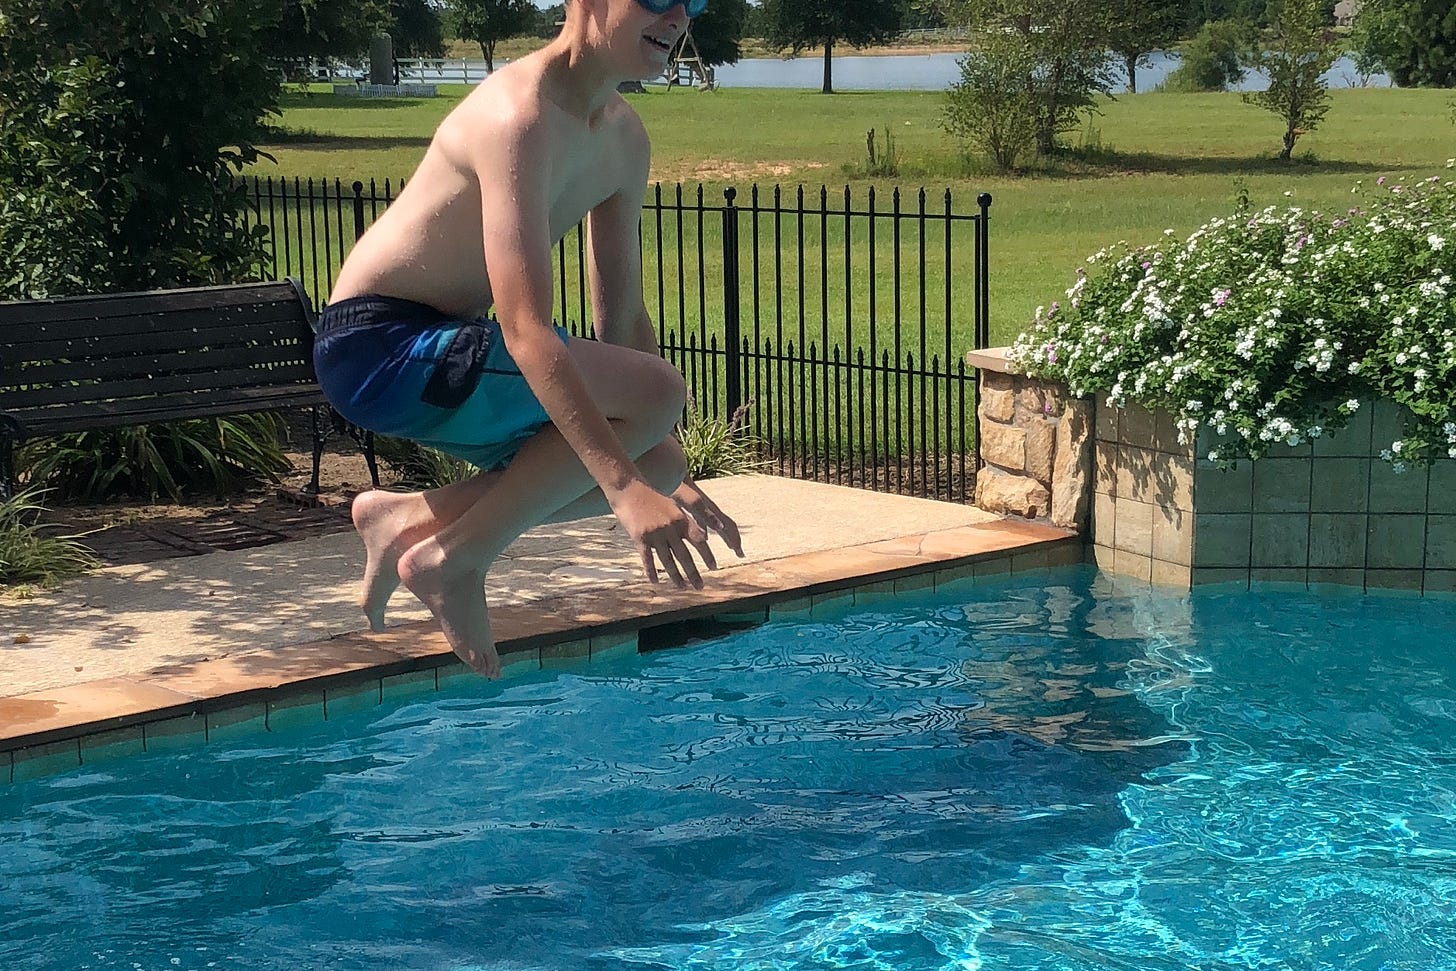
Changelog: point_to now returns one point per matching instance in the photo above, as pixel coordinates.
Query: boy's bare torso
(428, 245)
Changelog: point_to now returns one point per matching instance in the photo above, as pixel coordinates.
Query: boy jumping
(405, 349)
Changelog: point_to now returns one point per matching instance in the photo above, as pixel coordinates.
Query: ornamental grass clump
(1273, 326)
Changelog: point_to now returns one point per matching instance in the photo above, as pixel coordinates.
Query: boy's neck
(577, 77)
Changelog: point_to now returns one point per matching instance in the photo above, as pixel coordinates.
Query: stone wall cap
(991, 359)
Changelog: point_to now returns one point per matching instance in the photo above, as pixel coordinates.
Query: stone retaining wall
(1035, 444)
(1327, 513)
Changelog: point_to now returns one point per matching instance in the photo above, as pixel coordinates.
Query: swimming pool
(1048, 771)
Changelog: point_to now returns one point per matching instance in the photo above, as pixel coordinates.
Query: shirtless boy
(563, 427)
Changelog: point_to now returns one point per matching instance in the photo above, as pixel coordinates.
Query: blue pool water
(1045, 773)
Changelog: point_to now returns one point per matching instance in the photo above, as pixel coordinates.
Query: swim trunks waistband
(369, 309)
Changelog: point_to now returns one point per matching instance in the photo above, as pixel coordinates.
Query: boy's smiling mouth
(662, 45)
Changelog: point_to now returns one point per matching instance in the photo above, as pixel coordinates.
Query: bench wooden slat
(19, 335)
(90, 347)
(140, 411)
(172, 385)
(124, 305)
(209, 360)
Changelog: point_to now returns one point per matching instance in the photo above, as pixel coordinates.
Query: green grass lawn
(1147, 163)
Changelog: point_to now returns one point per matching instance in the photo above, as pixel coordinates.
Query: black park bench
(85, 363)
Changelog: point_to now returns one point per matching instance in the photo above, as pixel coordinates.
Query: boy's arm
(619, 316)
(513, 177)
(614, 259)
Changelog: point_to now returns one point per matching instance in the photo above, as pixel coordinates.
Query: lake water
(896, 72)
(936, 72)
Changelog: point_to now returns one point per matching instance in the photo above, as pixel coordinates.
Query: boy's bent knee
(665, 466)
(660, 393)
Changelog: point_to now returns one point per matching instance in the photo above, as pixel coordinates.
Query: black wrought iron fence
(835, 325)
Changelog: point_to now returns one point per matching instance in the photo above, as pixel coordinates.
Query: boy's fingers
(669, 564)
(705, 551)
(648, 566)
(690, 567)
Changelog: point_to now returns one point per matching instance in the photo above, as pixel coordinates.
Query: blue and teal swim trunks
(405, 369)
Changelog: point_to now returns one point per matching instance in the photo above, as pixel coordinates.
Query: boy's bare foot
(457, 599)
(388, 522)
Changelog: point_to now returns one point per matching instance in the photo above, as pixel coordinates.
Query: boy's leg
(467, 525)
(391, 522)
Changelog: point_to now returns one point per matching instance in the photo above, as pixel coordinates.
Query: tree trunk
(488, 52)
(1289, 137)
(828, 68)
(1132, 62)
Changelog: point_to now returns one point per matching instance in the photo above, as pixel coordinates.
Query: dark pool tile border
(361, 671)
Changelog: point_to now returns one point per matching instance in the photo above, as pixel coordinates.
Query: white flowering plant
(1273, 326)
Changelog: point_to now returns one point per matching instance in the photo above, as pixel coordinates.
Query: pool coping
(69, 727)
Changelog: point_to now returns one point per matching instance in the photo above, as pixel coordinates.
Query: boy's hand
(661, 530)
(707, 513)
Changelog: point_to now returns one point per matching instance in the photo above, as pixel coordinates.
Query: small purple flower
(1380, 181)
(1221, 297)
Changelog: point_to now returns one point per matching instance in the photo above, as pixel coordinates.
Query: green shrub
(1273, 327)
(716, 447)
(990, 108)
(202, 455)
(121, 126)
(881, 162)
(1212, 60)
(30, 552)
(419, 467)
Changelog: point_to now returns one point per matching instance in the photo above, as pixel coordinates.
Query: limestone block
(1014, 495)
(1004, 445)
(1041, 443)
(997, 381)
(998, 404)
(1072, 468)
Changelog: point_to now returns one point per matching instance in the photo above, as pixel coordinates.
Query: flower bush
(1273, 326)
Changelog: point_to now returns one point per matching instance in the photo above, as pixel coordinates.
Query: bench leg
(7, 467)
(370, 460)
(312, 489)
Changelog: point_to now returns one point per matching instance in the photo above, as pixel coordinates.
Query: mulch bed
(121, 534)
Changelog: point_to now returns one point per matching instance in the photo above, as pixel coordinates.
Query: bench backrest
(114, 359)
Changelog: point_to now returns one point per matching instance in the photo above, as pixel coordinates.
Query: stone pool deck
(199, 648)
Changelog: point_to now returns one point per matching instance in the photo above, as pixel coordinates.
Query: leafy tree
(718, 31)
(1299, 50)
(488, 22)
(302, 30)
(1141, 27)
(1375, 36)
(799, 24)
(1418, 41)
(1214, 59)
(416, 29)
(1200, 12)
(1066, 47)
(990, 107)
(549, 20)
(121, 126)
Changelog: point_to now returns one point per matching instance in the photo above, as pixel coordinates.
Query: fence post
(731, 310)
(983, 274)
(358, 210)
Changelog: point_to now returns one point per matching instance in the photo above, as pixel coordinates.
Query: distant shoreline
(752, 48)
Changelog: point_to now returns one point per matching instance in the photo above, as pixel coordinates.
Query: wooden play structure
(686, 67)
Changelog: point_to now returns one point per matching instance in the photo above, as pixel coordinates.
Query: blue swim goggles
(693, 8)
